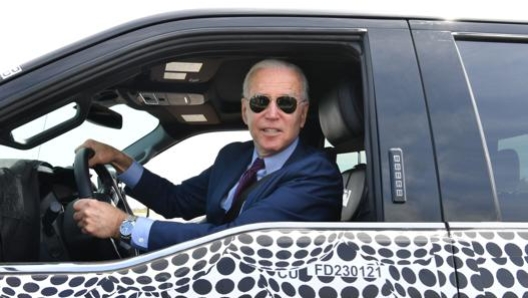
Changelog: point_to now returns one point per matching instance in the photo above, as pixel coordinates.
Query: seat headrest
(341, 116)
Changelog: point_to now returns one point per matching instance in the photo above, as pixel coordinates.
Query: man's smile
(271, 131)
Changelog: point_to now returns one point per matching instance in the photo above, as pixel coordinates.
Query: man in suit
(296, 183)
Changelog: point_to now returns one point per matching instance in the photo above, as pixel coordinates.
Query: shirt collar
(276, 161)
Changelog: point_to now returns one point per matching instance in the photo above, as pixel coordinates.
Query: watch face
(126, 228)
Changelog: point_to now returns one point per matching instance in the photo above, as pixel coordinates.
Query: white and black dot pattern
(311, 263)
(491, 263)
(51, 285)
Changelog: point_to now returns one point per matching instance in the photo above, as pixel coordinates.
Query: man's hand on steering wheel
(106, 154)
(100, 210)
(97, 218)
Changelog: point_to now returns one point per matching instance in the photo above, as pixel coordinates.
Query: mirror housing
(103, 116)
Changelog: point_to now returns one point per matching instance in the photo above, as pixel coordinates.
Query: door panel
(301, 260)
(402, 124)
(461, 158)
(491, 258)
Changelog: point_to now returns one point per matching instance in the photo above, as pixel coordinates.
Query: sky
(30, 29)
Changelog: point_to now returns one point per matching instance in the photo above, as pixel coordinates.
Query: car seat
(341, 119)
(19, 211)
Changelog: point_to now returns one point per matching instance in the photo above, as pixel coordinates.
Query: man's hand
(105, 154)
(99, 219)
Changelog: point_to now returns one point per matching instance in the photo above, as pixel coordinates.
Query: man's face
(272, 129)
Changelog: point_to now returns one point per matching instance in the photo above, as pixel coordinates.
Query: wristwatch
(126, 227)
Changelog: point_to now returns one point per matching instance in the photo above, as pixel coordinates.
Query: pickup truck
(426, 119)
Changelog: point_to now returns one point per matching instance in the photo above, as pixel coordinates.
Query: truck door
(474, 78)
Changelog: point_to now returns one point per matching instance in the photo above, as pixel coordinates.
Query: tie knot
(257, 165)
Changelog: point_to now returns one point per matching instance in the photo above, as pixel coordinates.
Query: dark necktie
(249, 177)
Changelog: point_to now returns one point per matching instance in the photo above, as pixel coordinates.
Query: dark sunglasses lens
(287, 104)
(259, 103)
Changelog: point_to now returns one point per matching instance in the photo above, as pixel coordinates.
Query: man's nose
(272, 111)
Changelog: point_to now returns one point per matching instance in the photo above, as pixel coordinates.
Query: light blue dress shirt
(140, 233)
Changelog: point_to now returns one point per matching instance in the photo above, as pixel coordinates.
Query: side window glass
(497, 73)
(193, 155)
(60, 151)
(188, 159)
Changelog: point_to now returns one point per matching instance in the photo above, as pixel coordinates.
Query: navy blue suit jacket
(308, 187)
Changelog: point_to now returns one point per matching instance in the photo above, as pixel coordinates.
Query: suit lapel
(231, 168)
(226, 177)
(297, 154)
(234, 171)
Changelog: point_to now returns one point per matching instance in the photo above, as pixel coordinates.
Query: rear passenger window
(348, 160)
(498, 75)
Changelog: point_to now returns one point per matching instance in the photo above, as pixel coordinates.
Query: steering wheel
(82, 246)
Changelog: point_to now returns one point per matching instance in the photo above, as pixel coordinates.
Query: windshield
(60, 151)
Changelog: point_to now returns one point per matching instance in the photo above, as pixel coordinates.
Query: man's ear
(244, 111)
(304, 114)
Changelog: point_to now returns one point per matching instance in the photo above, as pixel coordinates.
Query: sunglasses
(259, 103)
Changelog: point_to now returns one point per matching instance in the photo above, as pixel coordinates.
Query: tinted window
(498, 75)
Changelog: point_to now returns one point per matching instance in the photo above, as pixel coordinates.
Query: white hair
(275, 63)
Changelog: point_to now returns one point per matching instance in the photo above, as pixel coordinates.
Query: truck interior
(191, 89)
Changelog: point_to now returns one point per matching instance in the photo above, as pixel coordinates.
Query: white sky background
(29, 29)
